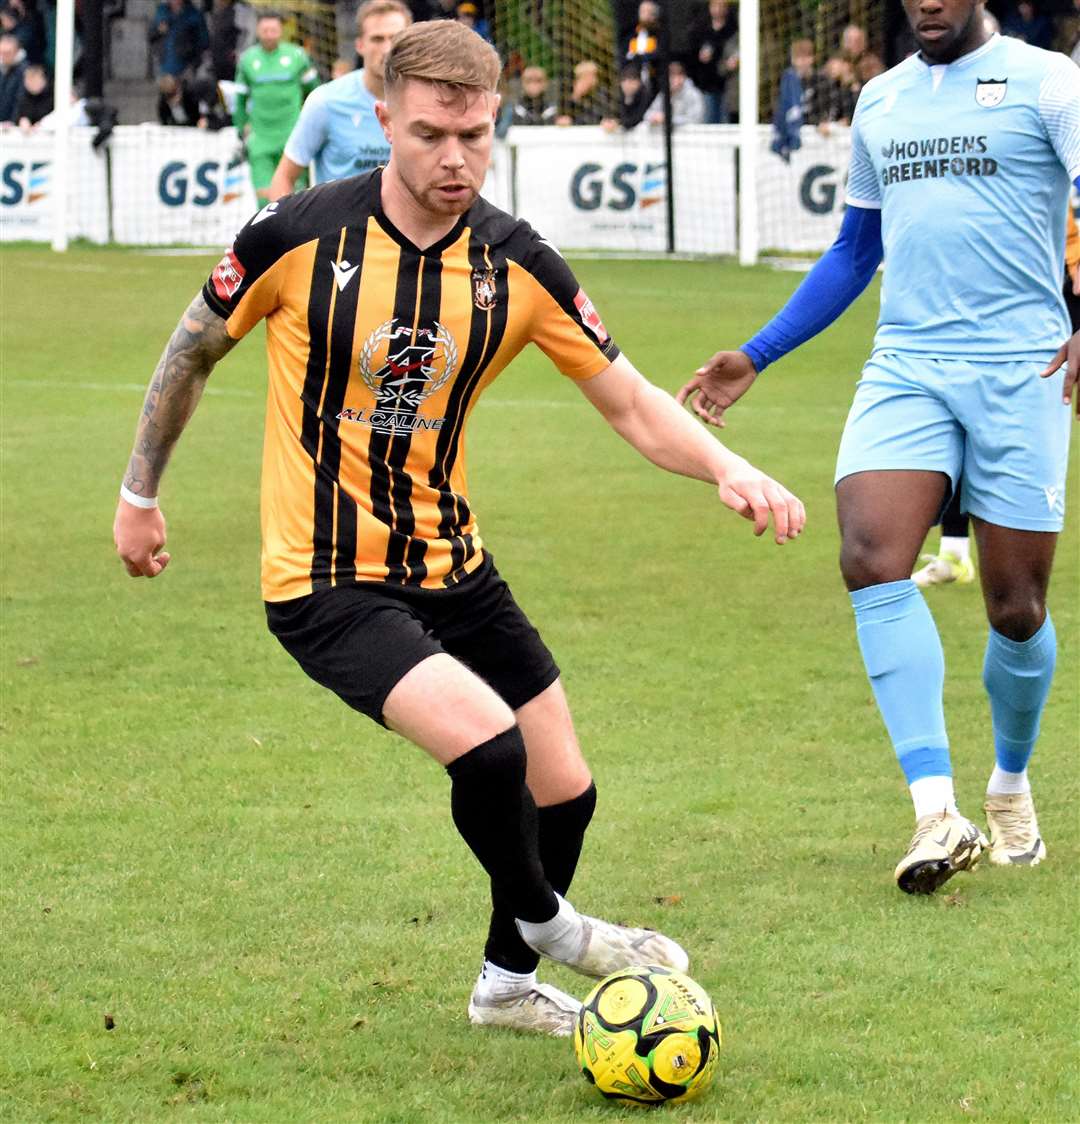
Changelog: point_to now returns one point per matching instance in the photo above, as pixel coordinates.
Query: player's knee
(502, 756)
(864, 563)
(1015, 614)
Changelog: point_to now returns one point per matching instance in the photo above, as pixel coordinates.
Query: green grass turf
(265, 892)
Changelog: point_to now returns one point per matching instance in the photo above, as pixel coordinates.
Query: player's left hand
(1069, 353)
(756, 497)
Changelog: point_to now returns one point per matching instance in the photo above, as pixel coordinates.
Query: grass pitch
(263, 893)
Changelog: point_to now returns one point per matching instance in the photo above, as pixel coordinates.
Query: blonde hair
(444, 52)
(380, 8)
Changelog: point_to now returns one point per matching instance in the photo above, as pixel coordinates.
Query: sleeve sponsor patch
(589, 316)
(228, 276)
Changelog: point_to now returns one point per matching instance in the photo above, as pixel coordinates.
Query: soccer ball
(647, 1035)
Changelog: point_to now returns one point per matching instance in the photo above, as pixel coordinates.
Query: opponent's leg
(953, 562)
(1017, 671)
(884, 518)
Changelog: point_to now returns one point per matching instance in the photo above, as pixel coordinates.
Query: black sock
(561, 834)
(954, 523)
(496, 815)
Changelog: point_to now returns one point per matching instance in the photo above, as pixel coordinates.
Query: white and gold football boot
(542, 1009)
(605, 948)
(597, 948)
(1014, 830)
(944, 569)
(943, 844)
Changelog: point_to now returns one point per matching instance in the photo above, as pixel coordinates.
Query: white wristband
(128, 496)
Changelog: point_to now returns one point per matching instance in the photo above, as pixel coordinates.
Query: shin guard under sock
(496, 816)
(561, 835)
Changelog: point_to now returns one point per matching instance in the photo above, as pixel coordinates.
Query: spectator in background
(535, 105)
(224, 39)
(836, 92)
(177, 102)
(853, 43)
(1027, 23)
(273, 79)
(716, 36)
(634, 100)
(339, 68)
(12, 67)
(36, 98)
(78, 116)
(687, 101)
(468, 14)
(869, 66)
(211, 107)
(644, 46)
(797, 100)
(589, 103)
(1068, 40)
(179, 35)
(26, 22)
(433, 10)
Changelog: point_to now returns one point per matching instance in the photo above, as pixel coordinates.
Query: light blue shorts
(997, 428)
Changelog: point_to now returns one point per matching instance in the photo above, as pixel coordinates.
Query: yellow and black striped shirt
(377, 352)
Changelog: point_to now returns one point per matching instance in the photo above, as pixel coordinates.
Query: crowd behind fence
(567, 62)
(587, 85)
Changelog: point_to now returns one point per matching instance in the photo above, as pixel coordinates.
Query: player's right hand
(139, 534)
(755, 496)
(720, 383)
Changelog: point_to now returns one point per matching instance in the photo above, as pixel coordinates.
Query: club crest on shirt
(483, 289)
(990, 91)
(403, 366)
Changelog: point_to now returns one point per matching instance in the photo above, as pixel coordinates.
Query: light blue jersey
(338, 129)
(970, 164)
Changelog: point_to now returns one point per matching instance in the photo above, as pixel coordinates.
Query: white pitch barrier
(582, 188)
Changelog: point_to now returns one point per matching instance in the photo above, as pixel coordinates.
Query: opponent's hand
(139, 534)
(1069, 352)
(720, 383)
(755, 496)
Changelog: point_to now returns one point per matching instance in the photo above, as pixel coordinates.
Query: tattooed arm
(198, 342)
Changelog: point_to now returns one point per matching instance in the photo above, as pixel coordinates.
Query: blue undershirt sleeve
(841, 274)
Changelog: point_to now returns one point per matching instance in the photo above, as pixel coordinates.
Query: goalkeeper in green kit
(273, 78)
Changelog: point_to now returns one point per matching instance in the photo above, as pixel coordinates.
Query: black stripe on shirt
(486, 332)
(383, 479)
(320, 296)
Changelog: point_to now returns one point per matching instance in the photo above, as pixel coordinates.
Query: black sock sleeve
(561, 835)
(496, 816)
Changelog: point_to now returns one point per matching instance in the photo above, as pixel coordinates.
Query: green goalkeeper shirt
(273, 85)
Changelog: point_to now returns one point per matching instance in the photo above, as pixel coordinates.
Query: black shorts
(360, 640)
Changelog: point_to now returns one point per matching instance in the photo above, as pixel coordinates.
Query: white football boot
(597, 948)
(542, 1009)
(1014, 830)
(943, 844)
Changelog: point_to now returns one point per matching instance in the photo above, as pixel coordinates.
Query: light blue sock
(902, 653)
(1017, 677)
